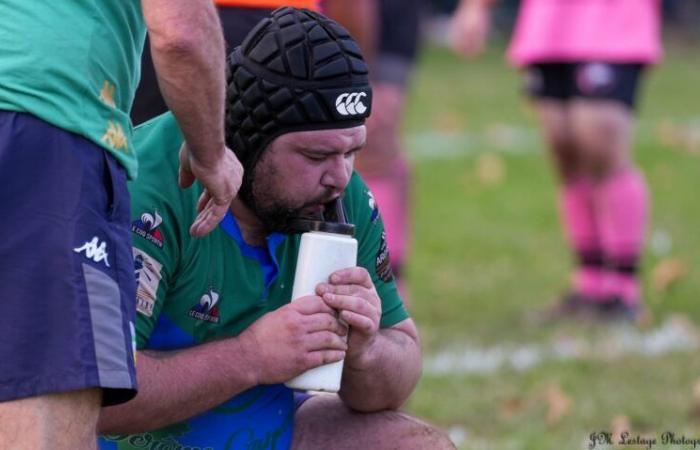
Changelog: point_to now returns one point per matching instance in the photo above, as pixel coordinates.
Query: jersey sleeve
(156, 210)
(372, 252)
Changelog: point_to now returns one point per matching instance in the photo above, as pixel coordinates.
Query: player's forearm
(189, 56)
(386, 374)
(174, 386)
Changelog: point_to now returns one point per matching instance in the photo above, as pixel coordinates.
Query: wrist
(363, 359)
(244, 353)
(207, 156)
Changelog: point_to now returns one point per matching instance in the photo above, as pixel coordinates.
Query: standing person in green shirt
(68, 72)
(216, 332)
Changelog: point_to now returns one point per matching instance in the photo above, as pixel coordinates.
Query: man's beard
(276, 215)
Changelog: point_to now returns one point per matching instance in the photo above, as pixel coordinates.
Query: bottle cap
(304, 225)
(333, 220)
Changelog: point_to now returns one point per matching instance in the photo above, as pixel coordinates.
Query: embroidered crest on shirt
(207, 309)
(147, 227)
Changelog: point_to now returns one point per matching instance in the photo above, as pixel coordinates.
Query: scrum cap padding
(296, 70)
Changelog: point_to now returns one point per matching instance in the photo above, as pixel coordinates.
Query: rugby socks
(391, 192)
(622, 203)
(578, 216)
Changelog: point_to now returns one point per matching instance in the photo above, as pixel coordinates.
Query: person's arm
(189, 57)
(174, 386)
(382, 366)
(470, 25)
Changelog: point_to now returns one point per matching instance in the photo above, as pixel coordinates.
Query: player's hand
(469, 30)
(221, 181)
(352, 293)
(293, 339)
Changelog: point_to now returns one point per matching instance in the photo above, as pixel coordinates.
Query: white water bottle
(328, 248)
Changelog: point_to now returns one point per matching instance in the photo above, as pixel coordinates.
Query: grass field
(487, 249)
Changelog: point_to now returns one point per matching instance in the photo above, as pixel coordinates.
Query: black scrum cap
(296, 70)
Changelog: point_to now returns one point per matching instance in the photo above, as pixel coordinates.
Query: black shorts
(398, 40)
(236, 22)
(590, 80)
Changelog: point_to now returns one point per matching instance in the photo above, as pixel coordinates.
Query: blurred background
(487, 248)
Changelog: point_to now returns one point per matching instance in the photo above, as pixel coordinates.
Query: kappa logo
(94, 250)
(147, 228)
(206, 309)
(350, 104)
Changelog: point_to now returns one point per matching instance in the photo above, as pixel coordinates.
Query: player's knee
(414, 434)
(67, 419)
(564, 152)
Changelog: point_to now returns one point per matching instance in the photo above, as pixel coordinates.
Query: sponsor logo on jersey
(148, 275)
(350, 104)
(383, 261)
(95, 251)
(373, 206)
(147, 228)
(206, 309)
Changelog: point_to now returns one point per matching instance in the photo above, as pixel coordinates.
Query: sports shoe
(572, 305)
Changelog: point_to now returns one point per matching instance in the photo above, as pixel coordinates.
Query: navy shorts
(66, 270)
(590, 80)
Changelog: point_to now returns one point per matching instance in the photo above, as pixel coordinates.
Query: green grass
(486, 254)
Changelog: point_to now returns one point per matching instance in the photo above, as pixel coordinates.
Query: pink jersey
(584, 30)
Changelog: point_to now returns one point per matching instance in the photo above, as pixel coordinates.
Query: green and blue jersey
(194, 290)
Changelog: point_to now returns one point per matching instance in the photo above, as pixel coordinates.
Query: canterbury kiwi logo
(350, 104)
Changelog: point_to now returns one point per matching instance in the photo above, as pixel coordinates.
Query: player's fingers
(312, 304)
(325, 322)
(203, 200)
(350, 303)
(324, 340)
(342, 289)
(319, 358)
(358, 322)
(208, 219)
(352, 275)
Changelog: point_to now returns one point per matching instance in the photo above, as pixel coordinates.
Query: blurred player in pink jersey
(582, 61)
(389, 33)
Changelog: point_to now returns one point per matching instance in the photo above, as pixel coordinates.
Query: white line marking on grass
(675, 335)
(427, 145)
(511, 139)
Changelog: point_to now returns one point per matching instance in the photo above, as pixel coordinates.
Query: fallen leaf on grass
(449, 122)
(667, 272)
(511, 408)
(684, 137)
(558, 404)
(490, 169)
